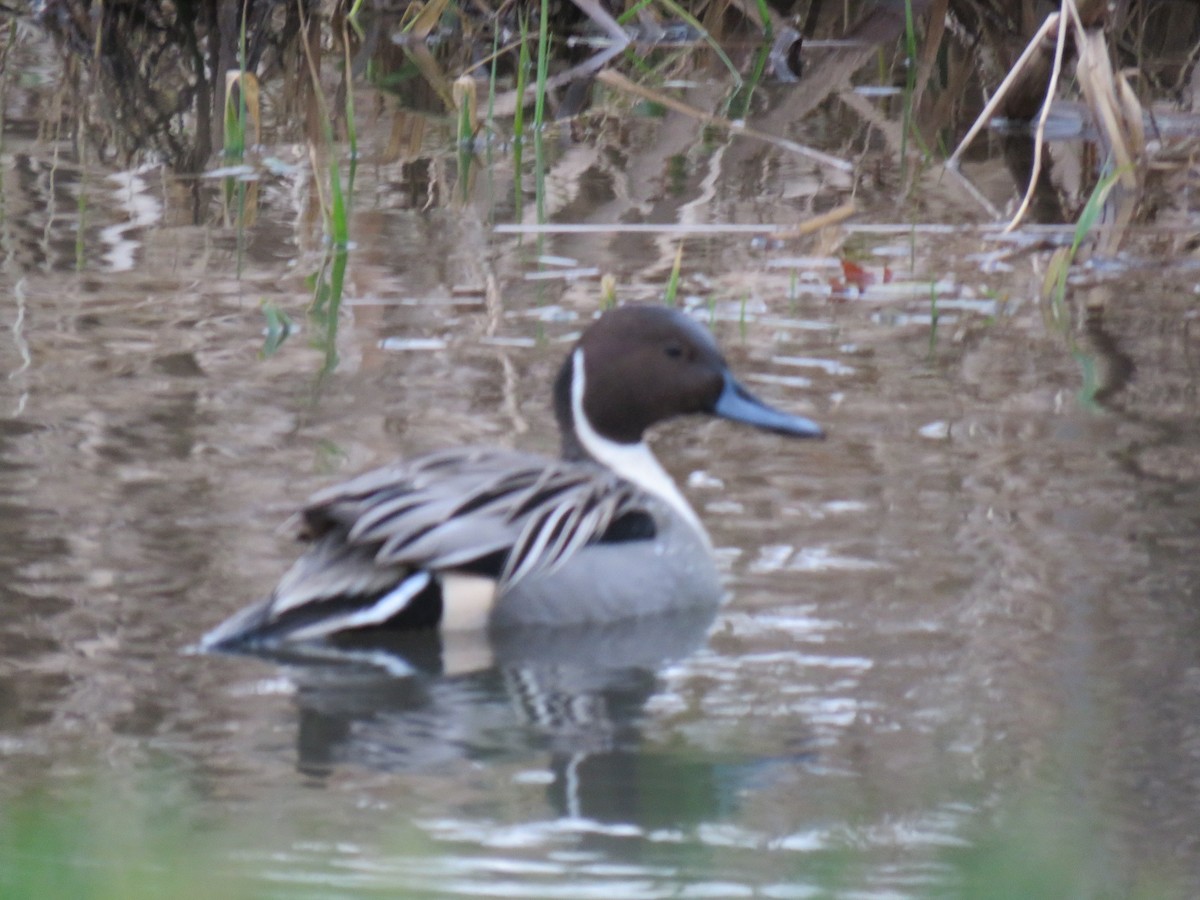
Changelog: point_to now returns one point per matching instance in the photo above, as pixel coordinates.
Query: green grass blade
(739, 101)
(279, 328)
(543, 66)
(523, 62)
(1061, 263)
(673, 282)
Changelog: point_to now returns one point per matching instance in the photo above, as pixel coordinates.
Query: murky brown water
(981, 591)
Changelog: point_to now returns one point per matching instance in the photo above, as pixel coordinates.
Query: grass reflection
(156, 842)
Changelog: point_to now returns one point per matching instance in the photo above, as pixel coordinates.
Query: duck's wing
(383, 542)
(497, 513)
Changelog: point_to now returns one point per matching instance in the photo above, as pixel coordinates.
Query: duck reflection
(566, 704)
(418, 700)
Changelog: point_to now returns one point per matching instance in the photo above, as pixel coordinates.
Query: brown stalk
(816, 223)
(1039, 138)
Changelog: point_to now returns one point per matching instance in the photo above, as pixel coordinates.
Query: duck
(482, 538)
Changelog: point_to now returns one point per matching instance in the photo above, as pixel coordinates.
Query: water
(971, 609)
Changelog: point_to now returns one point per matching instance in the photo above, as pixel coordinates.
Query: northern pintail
(475, 538)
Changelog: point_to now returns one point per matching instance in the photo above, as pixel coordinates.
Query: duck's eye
(674, 351)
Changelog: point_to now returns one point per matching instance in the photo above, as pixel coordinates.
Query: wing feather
(438, 513)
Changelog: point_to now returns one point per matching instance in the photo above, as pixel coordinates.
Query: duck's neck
(634, 462)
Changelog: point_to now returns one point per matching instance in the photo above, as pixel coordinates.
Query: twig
(601, 16)
(1039, 137)
(1002, 90)
(816, 223)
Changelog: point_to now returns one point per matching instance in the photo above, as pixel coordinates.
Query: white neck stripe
(633, 462)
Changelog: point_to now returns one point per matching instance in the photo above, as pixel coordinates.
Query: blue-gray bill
(739, 405)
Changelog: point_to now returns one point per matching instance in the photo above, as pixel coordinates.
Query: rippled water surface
(973, 610)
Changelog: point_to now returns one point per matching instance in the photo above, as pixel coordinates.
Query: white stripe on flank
(633, 462)
(376, 614)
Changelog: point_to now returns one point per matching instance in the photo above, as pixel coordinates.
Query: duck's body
(474, 538)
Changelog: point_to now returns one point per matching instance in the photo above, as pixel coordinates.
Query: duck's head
(638, 365)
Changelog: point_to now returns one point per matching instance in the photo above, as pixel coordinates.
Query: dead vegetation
(149, 78)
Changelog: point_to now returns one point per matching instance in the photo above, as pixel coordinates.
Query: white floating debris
(935, 431)
(969, 304)
(829, 366)
(551, 312)
(899, 319)
(877, 90)
(820, 559)
(893, 251)
(398, 343)
(277, 166)
(793, 381)
(923, 289)
(534, 776)
(563, 274)
(265, 687)
(498, 341)
(772, 558)
(844, 506)
(701, 479)
(243, 173)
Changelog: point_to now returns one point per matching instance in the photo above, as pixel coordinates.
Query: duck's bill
(739, 405)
